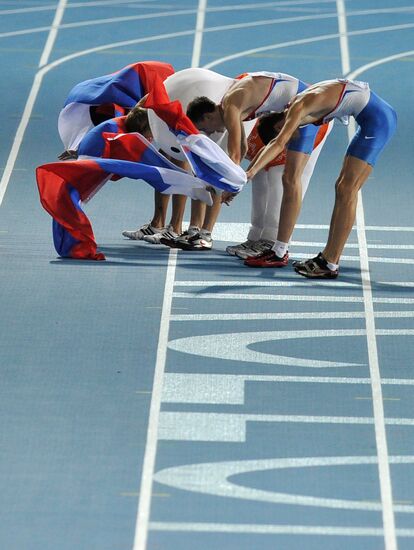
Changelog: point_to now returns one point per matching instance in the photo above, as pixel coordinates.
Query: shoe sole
(170, 243)
(320, 276)
(194, 248)
(278, 264)
(131, 238)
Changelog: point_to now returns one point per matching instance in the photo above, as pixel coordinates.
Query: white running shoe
(255, 249)
(234, 248)
(140, 233)
(156, 238)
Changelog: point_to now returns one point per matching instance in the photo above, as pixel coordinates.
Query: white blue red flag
(93, 143)
(64, 185)
(175, 134)
(92, 101)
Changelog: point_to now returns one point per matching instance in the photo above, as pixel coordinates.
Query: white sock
(332, 267)
(280, 248)
(205, 233)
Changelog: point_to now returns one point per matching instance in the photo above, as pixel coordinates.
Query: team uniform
(377, 122)
(267, 187)
(282, 89)
(267, 193)
(376, 119)
(184, 86)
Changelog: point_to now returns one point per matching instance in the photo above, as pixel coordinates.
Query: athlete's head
(137, 121)
(205, 115)
(270, 125)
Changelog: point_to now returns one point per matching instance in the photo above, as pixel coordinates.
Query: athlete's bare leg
(353, 175)
(212, 213)
(292, 194)
(177, 215)
(198, 212)
(160, 210)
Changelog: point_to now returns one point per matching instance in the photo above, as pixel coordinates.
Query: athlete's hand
(68, 155)
(227, 197)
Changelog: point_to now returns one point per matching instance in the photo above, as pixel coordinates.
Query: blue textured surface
(78, 340)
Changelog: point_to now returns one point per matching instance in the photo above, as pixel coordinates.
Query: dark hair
(266, 126)
(137, 120)
(199, 107)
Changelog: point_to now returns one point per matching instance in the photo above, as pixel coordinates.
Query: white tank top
(282, 89)
(354, 97)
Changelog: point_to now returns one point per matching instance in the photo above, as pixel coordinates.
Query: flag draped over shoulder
(63, 185)
(173, 131)
(104, 97)
(93, 143)
(108, 153)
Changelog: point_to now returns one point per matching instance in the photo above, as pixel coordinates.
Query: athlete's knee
(291, 181)
(346, 189)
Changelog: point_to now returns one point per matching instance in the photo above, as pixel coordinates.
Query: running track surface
(167, 400)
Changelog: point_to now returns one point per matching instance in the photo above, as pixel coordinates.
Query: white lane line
(245, 226)
(309, 40)
(288, 297)
(113, 3)
(141, 530)
(373, 259)
(356, 245)
(294, 316)
(381, 61)
(393, 283)
(343, 36)
(51, 7)
(144, 505)
(264, 529)
(390, 537)
(179, 419)
(198, 38)
(21, 129)
(276, 282)
(236, 378)
(255, 282)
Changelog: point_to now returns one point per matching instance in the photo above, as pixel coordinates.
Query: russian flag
(98, 99)
(175, 134)
(93, 143)
(64, 185)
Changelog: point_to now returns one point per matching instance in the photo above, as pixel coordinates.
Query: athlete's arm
(294, 117)
(233, 124)
(243, 143)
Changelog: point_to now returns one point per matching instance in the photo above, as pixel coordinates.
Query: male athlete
(267, 191)
(183, 85)
(377, 122)
(252, 95)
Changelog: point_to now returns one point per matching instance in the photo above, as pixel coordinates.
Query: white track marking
(226, 479)
(50, 7)
(320, 38)
(175, 13)
(144, 504)
(287, 297)
(198, 38)
(21, 129)
(295, 316)
(264, 529)
(143, 513)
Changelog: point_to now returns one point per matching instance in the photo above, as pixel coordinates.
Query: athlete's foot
(267, 259)
(140, 233)
(315, 268)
